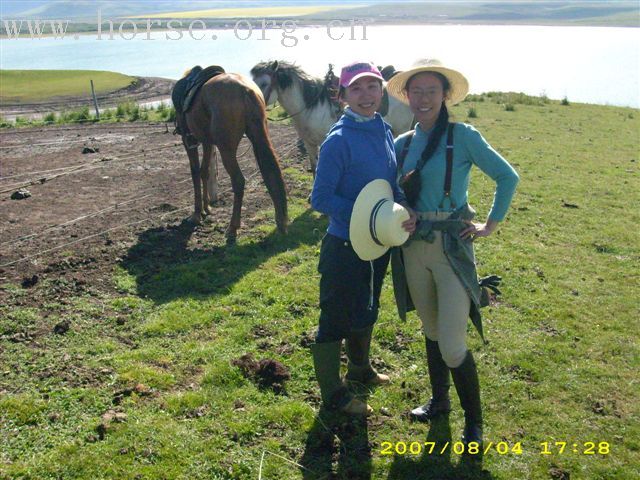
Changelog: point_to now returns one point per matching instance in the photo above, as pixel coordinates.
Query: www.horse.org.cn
(256, 29)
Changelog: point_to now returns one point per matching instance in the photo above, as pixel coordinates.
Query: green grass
(38, 85)
(561, 365)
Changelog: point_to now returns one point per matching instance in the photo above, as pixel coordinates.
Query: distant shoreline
(77, 29)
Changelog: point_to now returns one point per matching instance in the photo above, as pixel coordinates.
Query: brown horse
(226, 107)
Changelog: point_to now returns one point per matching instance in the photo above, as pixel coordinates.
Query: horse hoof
(196, 219)
(282, 227)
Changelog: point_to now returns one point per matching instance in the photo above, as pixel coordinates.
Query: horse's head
(332, 84)
(264, 75)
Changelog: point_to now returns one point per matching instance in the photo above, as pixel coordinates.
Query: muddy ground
(147, 89)
(86, 210)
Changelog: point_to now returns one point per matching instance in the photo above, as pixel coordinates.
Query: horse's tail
(258, 134)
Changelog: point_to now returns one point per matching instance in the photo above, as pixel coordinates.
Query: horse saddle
(388, 72)
(186, 88)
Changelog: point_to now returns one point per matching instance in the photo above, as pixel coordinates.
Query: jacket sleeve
(332, 162)
(496, 167)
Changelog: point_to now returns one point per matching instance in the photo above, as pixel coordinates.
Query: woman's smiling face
(364, 96)
(426, 94)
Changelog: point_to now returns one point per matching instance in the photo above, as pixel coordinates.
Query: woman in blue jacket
(439, 261)
(358, 149)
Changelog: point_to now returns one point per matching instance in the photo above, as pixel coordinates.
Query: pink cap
(356, 70)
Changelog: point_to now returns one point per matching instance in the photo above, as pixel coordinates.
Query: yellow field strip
(243, 12)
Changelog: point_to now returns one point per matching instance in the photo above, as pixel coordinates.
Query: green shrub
(474, 98)
(509, 107)
(76, 116)
(134, 113)
(472, 113)
(565, 101)
(125, 109)
(4, 123)
(170, 114)
(49, 118)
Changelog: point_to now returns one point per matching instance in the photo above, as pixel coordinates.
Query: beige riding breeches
(440, 299)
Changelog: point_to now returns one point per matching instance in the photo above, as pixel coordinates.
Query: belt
(426, 228)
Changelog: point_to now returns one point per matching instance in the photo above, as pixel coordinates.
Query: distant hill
(605, 13)
(83, 9)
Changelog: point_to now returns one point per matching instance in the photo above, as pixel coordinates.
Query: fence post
(95, 101)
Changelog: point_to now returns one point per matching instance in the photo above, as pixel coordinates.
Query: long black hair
(443, 118)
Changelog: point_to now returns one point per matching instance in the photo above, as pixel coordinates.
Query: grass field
(561, 364)
(37, 85)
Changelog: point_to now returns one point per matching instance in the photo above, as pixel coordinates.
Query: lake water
(586, 64)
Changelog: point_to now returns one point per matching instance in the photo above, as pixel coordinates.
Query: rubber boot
(465, 378)
(359, 368)
(326, 362)
(439, 403)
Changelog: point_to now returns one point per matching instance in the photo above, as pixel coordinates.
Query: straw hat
(376, 221)
(458, 82)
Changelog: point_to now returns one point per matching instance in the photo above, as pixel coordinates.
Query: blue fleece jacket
(353, 154)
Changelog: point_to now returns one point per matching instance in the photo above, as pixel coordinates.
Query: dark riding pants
(349, 289)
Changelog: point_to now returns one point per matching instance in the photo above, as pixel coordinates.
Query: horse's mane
(314, 90)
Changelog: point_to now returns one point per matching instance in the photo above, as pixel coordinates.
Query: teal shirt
(469, 148)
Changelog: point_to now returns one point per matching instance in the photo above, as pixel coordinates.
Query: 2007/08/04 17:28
(502, 448)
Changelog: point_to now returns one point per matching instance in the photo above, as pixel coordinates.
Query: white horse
(308, 101)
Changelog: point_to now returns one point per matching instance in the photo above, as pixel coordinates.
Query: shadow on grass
(436, 465)
(165, 269)
(337, 438)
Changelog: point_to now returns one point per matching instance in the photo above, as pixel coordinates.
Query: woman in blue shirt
(437, 287)
(358, 149)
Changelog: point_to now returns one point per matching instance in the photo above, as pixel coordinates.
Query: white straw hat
(376, 221)
(459, 86)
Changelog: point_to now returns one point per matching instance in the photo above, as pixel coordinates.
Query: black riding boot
(465, 378)
(439, 377)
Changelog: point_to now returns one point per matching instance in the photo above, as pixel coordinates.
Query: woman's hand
(475, 230)
(410, 225)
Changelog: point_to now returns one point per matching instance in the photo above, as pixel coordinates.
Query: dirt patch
(266, 373)
(557, 473)
(400, 343)
(145, 89)
(86, 210)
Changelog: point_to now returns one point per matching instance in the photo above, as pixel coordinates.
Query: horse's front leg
(194, 164)
(312, 151)
(230, 163)
(209, 177)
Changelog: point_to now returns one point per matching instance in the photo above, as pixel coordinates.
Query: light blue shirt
(469, 148)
